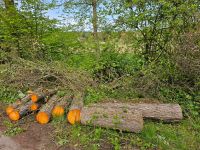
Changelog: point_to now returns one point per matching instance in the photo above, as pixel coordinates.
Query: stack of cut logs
(121, 116)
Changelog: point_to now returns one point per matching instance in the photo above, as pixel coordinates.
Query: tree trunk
(164, 112)
(94, 19)
(9, 4)
(112, 117)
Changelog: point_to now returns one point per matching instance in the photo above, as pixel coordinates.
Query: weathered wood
(114, 118)
(164, 112)
(42, 95)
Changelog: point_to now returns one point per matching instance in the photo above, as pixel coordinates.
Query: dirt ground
(35, 136)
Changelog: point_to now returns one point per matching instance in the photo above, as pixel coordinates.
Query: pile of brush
(120, 116)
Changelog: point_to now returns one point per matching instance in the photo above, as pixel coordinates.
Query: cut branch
(22, 111)
(44, 115)
(73, 115)
(62, 105)
(44, 94)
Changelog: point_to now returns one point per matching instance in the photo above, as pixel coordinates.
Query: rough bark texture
(65, 101)
(115, 118)
(77, 102)
(45, 94)
(25, 109)
(47, 108)
(21, 101)
(164, 112)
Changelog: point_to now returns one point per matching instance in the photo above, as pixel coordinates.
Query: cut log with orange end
(58, 111)
(34, 98)
(44, 94)
(44, 115)
(42, 118)
(74, 116)
(34, 107)
(62, 105)
(17, 103)
(14, 115)
(9, 109)
(22, 110)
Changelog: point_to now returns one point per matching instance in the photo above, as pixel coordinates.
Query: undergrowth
(110, 77)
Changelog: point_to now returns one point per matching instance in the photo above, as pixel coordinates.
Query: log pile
(127, 117)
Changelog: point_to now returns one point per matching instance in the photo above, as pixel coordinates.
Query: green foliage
(112, 65)
(8, 95)
(82, 60)
(93, 96)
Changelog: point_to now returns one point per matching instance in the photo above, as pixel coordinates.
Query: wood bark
(44, 94)
(114, 118)
(24, 109)
(77, 102)
(65, 101)
(164, 112)
(21, 101)
(47, 108)
(94, 19)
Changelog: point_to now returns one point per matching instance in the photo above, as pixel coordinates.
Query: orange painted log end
(14, 115)
(74, 116)
(42, 118)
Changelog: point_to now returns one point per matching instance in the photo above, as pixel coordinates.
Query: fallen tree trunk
(42, 95)
(44, 115)
(164, 112)
(73, 115)
(62, 105)
(114, 118)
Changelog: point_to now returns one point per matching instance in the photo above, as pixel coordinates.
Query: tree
(23, 27)
(85, 12)
(9, 4)
(156, 22)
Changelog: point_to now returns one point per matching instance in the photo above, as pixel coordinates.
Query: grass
(155, 135)
(12, 129)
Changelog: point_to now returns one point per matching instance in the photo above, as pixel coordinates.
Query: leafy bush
(112, 65)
